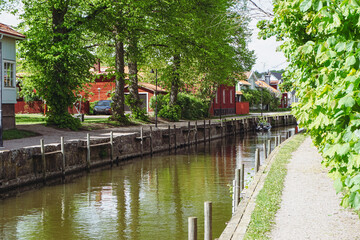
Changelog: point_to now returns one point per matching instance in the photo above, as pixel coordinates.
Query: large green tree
(322, 43)
(55, 52)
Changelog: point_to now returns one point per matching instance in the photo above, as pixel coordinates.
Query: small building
(224, 102)
(8, 37)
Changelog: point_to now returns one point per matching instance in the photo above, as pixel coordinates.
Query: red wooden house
(224, 101)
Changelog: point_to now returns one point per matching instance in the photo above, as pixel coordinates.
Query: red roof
(150, 87)
(5, 29)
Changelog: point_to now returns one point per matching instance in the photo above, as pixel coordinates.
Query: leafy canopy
(322, 42)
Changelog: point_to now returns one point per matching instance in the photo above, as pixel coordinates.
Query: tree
(55, 53)
(322, 44)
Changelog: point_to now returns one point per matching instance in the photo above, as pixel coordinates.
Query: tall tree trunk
(135, 102)
(175, 82)
(119, 100)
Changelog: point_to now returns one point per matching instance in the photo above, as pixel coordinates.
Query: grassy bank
(17, 134)
(269, 198)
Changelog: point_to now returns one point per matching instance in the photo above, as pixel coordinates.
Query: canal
(148, 198)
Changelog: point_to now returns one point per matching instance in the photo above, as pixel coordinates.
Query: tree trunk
(119, 100)
(175, 82)
(135, 102)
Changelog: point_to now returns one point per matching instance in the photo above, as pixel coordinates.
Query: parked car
(103, 107)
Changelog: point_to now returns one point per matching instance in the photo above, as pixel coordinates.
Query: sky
(267, 58)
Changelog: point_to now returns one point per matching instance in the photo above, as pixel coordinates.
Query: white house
(8, 37)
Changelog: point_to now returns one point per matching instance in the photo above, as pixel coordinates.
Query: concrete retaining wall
(25, 166)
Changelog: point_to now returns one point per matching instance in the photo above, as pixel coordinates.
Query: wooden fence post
(209, 131)
(151, 142)
(276, 141)
(204, 131)
(63, 156)
(257, 160)
(237, 187)
(142, 141)
(269, 148)
(42, 149)
(169, 132)
(188, 133)
(112, 148)
(208, 221)
(192, 228)
(265, 151)
(242, 185)
(175, 145)
(196, 132)
(88, 152)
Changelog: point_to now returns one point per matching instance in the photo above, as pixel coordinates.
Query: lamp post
(152, 71)
(99, 93)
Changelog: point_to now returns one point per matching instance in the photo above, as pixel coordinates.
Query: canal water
(148, 198)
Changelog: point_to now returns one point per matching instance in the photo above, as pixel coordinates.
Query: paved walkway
(310, 208)
(52, 135)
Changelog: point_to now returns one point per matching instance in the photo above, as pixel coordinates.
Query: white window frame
(13, 73)
(231, 97)
(216, 97)
(224, 96)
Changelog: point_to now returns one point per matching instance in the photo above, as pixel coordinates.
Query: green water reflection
(148, 198)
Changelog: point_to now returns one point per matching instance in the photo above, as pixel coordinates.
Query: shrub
(171, 113)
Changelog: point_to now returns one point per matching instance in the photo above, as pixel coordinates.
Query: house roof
(243, 82)
(265, 85)
(239, 93)
(277, 75)
(150, 87)
(274, 82)
(8, 31)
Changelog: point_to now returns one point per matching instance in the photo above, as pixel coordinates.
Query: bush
(91, 107)
(190, 107)
(171, 113)
(64, 121)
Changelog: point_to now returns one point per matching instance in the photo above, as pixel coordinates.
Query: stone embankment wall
(26, 166)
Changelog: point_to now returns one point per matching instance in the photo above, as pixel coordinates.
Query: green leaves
(322, 41)
(305, 5)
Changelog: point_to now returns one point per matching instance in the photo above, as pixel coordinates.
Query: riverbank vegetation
(269, 198)
(321, 40)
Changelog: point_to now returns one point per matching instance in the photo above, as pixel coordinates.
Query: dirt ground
(310, 208)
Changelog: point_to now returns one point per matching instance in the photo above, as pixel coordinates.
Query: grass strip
(17, 134)
(269, 198)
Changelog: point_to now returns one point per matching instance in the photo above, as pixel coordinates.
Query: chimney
(97, 66)
(267, 79)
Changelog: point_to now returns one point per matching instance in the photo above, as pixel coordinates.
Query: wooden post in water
(276, 141)
(112, 147)
(63, 156)
(151, 142)
(188, 133)
(279, 141)
(257, 160)
(175, 145)
(209, 131)
(242, 185)
(269, 147)
(142, 141)
(208, 221)
(42, 149)
(221, 127)
(204, 131)
(169, 132)
(88, 152)
(192, 228)
(265, 151)
(196, 132)
(237, 187)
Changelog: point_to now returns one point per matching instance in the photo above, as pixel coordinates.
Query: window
(216, 97)
(224, 96)
(231, 97)
(9, 74)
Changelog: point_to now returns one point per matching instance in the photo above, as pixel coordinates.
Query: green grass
(269, 198)
(29, 119)
(17, 134)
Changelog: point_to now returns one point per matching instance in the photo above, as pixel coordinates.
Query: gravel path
(310, 208)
